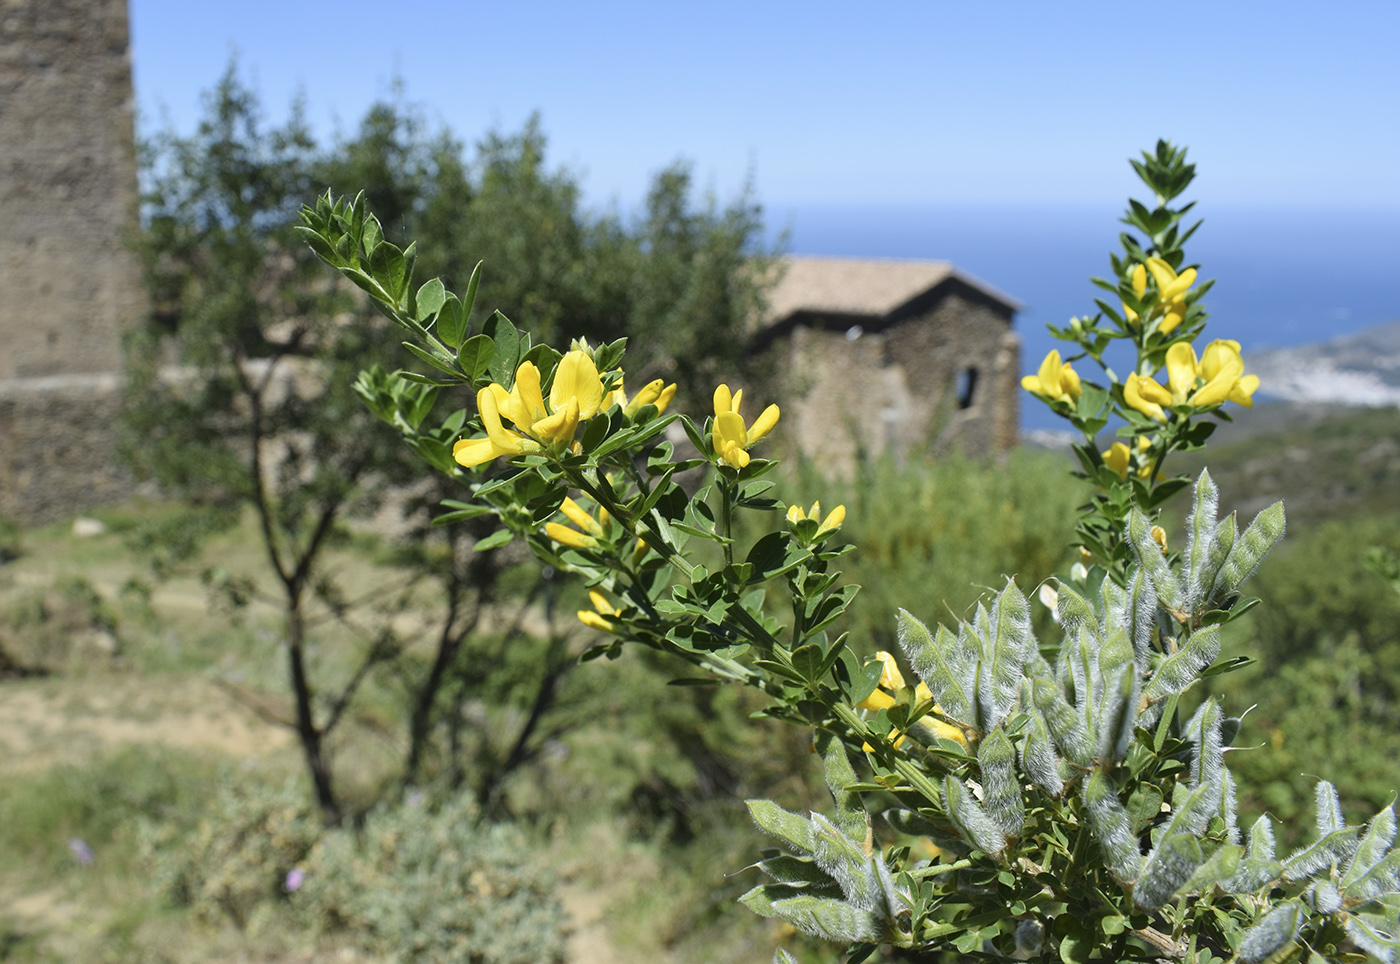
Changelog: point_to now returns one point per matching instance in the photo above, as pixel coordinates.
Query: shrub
(437, 886)
(416, 883)
(235, 863)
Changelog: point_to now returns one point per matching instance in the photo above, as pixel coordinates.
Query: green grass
(933, 537)
(653, 775)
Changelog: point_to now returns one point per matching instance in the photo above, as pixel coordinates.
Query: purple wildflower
(81, 852)
(295, 878)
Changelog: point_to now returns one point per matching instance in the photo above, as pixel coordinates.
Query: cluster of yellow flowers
(1171, 293)
(600, 616)
(831, 523)
(1216, 378)
(576, 396)
(892, 682)
(1119, 458)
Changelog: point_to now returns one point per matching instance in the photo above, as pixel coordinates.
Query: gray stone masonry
(68, 284)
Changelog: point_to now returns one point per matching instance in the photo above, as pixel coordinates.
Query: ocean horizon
(1284, 277)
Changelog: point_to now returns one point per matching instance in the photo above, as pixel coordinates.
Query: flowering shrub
(1073, 794)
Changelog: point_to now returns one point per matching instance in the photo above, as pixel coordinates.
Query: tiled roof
(861, 286)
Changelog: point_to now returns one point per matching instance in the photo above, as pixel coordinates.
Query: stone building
(67, 281)
(875, 356)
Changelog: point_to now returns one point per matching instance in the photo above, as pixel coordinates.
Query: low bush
(417, 882)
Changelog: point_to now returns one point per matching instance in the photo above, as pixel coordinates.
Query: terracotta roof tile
(860, 286)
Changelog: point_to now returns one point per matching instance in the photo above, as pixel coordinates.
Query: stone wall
(57, 448)
(943, 378)
(68, 284)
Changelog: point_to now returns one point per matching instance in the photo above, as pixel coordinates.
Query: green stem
(726, 509)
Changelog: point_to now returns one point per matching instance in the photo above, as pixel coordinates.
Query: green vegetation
(243, 395)
(1326, 637)
(173, 688)
(933, 537)
(1079, 807)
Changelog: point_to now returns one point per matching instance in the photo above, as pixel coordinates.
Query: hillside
(1362, 369)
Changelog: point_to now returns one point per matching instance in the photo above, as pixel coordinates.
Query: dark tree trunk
(308, 733)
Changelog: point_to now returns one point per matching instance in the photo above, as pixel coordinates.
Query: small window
(966, 388)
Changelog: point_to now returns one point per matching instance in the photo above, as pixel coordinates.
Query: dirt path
(47, 721)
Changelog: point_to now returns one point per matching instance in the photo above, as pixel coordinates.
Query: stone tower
(68, 284)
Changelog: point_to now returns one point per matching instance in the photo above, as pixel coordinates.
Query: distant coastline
(1286, 277)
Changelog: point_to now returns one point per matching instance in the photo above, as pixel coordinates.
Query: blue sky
(992, 134)
(982, 103)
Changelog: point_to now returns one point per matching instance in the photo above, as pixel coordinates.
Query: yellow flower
(574, 397)
(1159, 536)
(1139, 277)
(1171, 292)
(1055, 381)
(1224, 353)
(655, 392)
(892, 680)
(730, 436)
(828, 525)
(1220, 372)
(1216, 378)
(592, 529)
(599, 619)
(1146, 396)
(1118, 458)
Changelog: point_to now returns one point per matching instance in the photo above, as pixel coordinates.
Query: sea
(1283, 277)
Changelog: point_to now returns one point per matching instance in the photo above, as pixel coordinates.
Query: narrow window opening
(966, 388)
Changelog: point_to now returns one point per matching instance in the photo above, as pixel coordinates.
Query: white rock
(86, 528)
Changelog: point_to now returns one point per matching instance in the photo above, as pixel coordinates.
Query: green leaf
(832, 920)
(475, 355)
(775, 554)
(506, 340)
(807, 661)
(1250, 549)
(1168, 867)
(418, 379)
(938, 663)
(461, 515)
(444, 364)
(1273, 933)
(1077, 945)
(431, 297)
(790, 827)
(494, 541)
(1092, 400)
(389, 267)
(864, 684)
(1144, 806)
(469, 296)
(451, 323)
(1227, 665)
